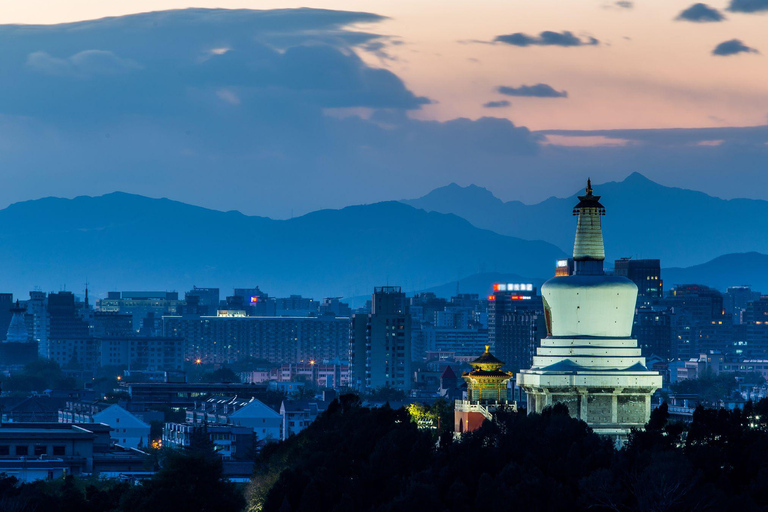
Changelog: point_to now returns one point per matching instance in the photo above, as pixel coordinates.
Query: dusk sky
(594, 72)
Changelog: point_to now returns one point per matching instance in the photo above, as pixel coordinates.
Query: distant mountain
(126, 242)
(644, 219)
(728, 270)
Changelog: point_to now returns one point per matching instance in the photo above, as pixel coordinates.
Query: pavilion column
(583, 404)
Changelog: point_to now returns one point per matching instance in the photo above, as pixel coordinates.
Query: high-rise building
(142, 305)
(695, 307)
(380, 342)
(736, 299)
(36, 320)
(226, 339)
(646, 274)
(756, 318)
(653, 331)
(207, 299)
(589, 361)
(515, 323)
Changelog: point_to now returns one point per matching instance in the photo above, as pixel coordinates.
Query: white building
(128, 431)
(265, 422)
(589, 361)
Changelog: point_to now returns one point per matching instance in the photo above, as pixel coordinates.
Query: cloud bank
(546, 38)
(497, 104)
(748, 6)
(732, 47)
(532, 91)
(700, 13)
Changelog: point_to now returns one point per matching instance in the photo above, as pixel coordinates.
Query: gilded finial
(487, 348)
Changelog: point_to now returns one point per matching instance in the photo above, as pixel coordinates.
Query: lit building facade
(515, 323)
(589, 361)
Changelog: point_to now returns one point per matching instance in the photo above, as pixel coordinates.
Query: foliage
(191, 481)
(188, 481)
(361, 459)
(38, 376)
(386, 394)
(711, 388)
(437, 417)
(224, 374)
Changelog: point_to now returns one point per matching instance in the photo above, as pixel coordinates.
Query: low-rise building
(230, 442)
(45, 451)
(264, 421)
(299, 414)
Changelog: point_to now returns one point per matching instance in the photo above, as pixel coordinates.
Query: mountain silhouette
(644, 219)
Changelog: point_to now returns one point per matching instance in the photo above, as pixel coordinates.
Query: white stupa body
(589, 361)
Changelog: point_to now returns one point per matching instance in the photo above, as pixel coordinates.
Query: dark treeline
(190, 481)
(358, 459)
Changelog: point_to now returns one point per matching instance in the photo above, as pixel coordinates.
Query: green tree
(188, 480)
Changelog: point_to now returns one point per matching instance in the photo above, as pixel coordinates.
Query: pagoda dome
(589, 305)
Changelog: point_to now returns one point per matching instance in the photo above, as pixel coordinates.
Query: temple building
(486, 393)
(589, 361)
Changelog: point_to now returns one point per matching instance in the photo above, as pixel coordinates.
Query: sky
(279, 113)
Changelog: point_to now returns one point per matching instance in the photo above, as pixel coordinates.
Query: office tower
(142, 306)
(646, 274)
(736, 299)
(695, 306)
(653, 331)
(207, 299)
(36, 320)
(589, 361)
(380, 342)
(227, 339)
(516, 323)
(756, 318)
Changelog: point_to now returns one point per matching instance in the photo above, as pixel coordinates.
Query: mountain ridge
(125, 241)
(681, 227)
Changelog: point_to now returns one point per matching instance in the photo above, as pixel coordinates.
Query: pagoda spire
(588, 248)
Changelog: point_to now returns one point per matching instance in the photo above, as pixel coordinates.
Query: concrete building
(515, 323)
(144, 307)
(140, 353)
(380, 343)
(127, 431)
(265, 422)
(589, 362)
(736, 299)
(230, 442)
(225, 339)
(299, 414)
(646, 274)
(47, 451)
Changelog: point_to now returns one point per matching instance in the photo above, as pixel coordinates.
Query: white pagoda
(589, 361)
